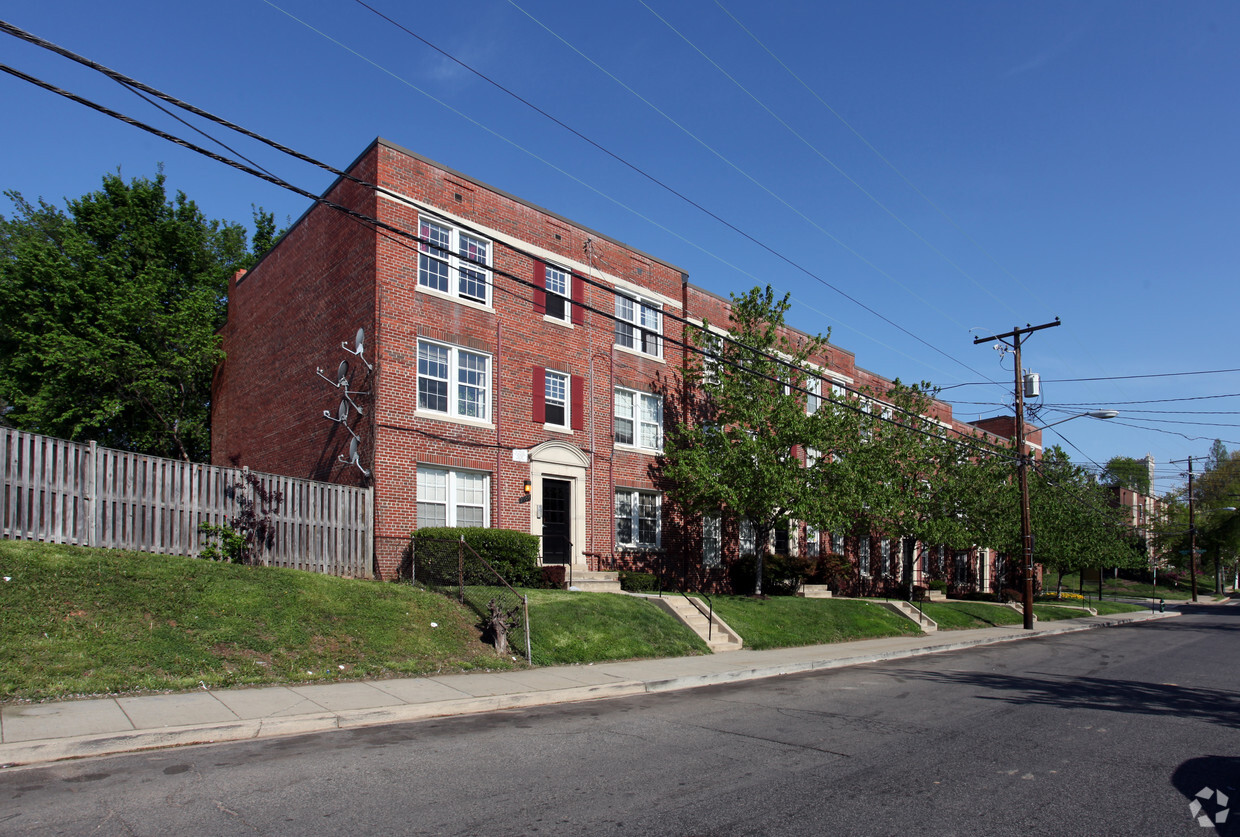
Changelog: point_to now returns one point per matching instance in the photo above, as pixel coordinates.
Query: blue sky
(958, 169)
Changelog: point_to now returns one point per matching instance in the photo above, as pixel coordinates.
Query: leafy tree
(734, 450)
(1217, 491)
(109, 311)
(1132, 474)
(1075, 526)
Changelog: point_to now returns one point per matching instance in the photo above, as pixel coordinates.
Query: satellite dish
(342, 412)
(353, 449)
(360, 340)
(342, 371)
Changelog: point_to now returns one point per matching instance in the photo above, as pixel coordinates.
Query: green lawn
(954, 615)
(79, 622)
(570, 627)
(788, 621)
(1123, 588)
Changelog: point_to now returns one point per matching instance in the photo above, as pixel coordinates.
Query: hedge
(512, 554)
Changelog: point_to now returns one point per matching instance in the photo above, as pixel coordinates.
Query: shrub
(514, 555)
(250, 533)
(938, 584)
(979, 597)
(634, 582)
(554, 577)
(782, 575)
(833, 569)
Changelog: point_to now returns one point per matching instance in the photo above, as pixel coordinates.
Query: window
(748, 538)
(453, 381)
(637, 518)
(837, 544)
(814, 400)
(812, 457)
(447, 252)
(812, 542)
(639, 419)
(638, 326)
(885, 547)
(452, 498)
(557, 284)
(556, 398)
(863, 556)
(712, 540)
(961, 565)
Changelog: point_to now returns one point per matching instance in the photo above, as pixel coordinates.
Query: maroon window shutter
(579, 300)
(579, 402)
(540, 287)
(539, 391)
(798, 453)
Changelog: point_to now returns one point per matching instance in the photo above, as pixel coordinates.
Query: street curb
(29, 753)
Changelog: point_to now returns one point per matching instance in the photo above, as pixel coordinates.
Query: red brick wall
(286, 317)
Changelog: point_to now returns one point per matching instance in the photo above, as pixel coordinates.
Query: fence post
(90, 477)
(525, 601)
(460, 567)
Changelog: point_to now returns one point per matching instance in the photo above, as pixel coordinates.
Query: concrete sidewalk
(43, 732)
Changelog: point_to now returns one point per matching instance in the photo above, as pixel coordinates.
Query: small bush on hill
(514, 555)
(782, 575)
(634, 582)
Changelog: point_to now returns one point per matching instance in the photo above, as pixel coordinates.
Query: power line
(361, 217)
(1108, 378)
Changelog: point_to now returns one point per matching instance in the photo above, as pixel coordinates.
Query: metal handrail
(709, 614)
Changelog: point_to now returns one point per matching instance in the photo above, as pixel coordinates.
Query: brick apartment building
(506, 344)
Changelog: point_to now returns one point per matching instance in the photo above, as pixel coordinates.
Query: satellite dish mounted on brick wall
(360, 341)
(353, 457)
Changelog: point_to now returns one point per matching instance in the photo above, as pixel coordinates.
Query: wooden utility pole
(1022, 460)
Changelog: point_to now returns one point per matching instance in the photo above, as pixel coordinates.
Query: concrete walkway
(43, 732)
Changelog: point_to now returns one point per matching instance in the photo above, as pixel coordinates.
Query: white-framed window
(863, 556)
(814, 400)
(712, 345)
(637, 517)
(453, 498)
(453, 262)
(638, 325)
(837, 544)
(813, 542)
(748, 538)
(812, 456)
(559, 293)
(454, 381)
(712, 540)
(556, 398)
(885, 548)
(639, 419)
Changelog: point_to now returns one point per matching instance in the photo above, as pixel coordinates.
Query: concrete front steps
(910, 612)
(595, 581)
(721, 637)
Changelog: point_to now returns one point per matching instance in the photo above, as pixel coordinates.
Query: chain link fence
(451, 566)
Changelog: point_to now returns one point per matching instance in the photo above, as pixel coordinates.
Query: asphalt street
(1110, 731)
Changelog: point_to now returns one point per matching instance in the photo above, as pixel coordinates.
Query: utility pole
(1022, 460)
(1192, 527)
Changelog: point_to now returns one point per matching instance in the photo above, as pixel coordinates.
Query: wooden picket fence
(65, 492)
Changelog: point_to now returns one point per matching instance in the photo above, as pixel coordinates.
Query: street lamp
(1022, 464)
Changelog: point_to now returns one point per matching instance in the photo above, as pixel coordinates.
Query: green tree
(1217, 493)
(734, 449)
(1075, 526)
(1132, 474)
(109, 311)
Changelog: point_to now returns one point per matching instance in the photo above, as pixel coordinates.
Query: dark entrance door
(557, 546)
